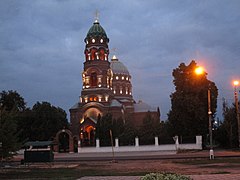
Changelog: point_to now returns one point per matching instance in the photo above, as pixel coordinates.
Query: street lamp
(199, 71)
(236, 83)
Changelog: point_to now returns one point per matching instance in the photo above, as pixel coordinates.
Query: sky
(42, 45)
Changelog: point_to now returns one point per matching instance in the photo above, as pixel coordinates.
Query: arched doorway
(87, 134)
(64, 141)
(88, 126)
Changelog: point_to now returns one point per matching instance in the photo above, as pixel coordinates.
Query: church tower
(96, 94)
(97, 75)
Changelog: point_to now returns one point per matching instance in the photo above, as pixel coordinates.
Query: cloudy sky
(41, 45)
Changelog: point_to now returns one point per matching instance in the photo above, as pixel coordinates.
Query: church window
(122, 77)
(102, 54)
(93, 40)
(101, 41)
(127, 78)
(117, 77)
(86, 99)
(121, 90)
(87, 41)
(99, 98)
(93, 79)
(93, 54)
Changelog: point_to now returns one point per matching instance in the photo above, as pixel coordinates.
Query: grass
(61, 173)
(66, 171)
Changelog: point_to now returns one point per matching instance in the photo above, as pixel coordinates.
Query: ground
(73, 170)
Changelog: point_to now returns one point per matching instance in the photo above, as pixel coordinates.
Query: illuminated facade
(106, 88)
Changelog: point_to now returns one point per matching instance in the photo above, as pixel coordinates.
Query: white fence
(138, 148)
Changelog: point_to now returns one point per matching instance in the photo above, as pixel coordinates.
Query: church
(106, 88)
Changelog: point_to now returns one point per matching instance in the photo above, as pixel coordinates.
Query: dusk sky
(42, 45)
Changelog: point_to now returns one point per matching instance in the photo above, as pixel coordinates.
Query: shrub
(164, 176)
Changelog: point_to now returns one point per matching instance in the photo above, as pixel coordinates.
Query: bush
(164, 176)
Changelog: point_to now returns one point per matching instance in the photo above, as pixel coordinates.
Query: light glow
(235, 83)
(199, 70)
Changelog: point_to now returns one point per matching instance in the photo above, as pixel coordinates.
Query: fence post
(136, 141)
(199, 141)
(79, 146)
(116, 142)
(156, 141)
(97, 143)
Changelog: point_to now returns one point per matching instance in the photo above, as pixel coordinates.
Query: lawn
(121, 168)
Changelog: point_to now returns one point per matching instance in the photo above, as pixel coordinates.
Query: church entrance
(87, 132)
(88, 127)
(87, 135)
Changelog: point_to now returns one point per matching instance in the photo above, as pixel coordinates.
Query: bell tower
(97, 75)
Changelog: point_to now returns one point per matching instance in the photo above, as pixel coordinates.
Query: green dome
(96, 31)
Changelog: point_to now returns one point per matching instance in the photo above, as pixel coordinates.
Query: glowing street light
(236, 83)
(200, 70)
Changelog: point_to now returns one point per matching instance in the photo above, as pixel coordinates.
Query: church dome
(96, 31)
(118, 67)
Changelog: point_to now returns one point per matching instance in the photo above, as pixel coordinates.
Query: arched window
(93, 54)
(102, 54)
(93, 79)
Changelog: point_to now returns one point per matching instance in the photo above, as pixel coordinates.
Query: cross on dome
(96, 16)
(114, 55)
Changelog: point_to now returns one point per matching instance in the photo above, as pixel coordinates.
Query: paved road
(101, 156)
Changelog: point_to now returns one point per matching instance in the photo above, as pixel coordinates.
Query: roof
(115, 103)
(118, 67)
(96, 31)
(143, 107)
(38, 143)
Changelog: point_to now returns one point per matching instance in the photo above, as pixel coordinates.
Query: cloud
(41, 47)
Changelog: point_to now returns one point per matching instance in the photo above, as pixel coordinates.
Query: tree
(227, 134)
(11, 106)
(148, 130)
(12, 100)
(189, 111)
(47, 121)
(8, 133)
(104, 125)
(128, 134)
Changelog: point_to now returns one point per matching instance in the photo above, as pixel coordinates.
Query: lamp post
(200, 71)
(236, 83)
